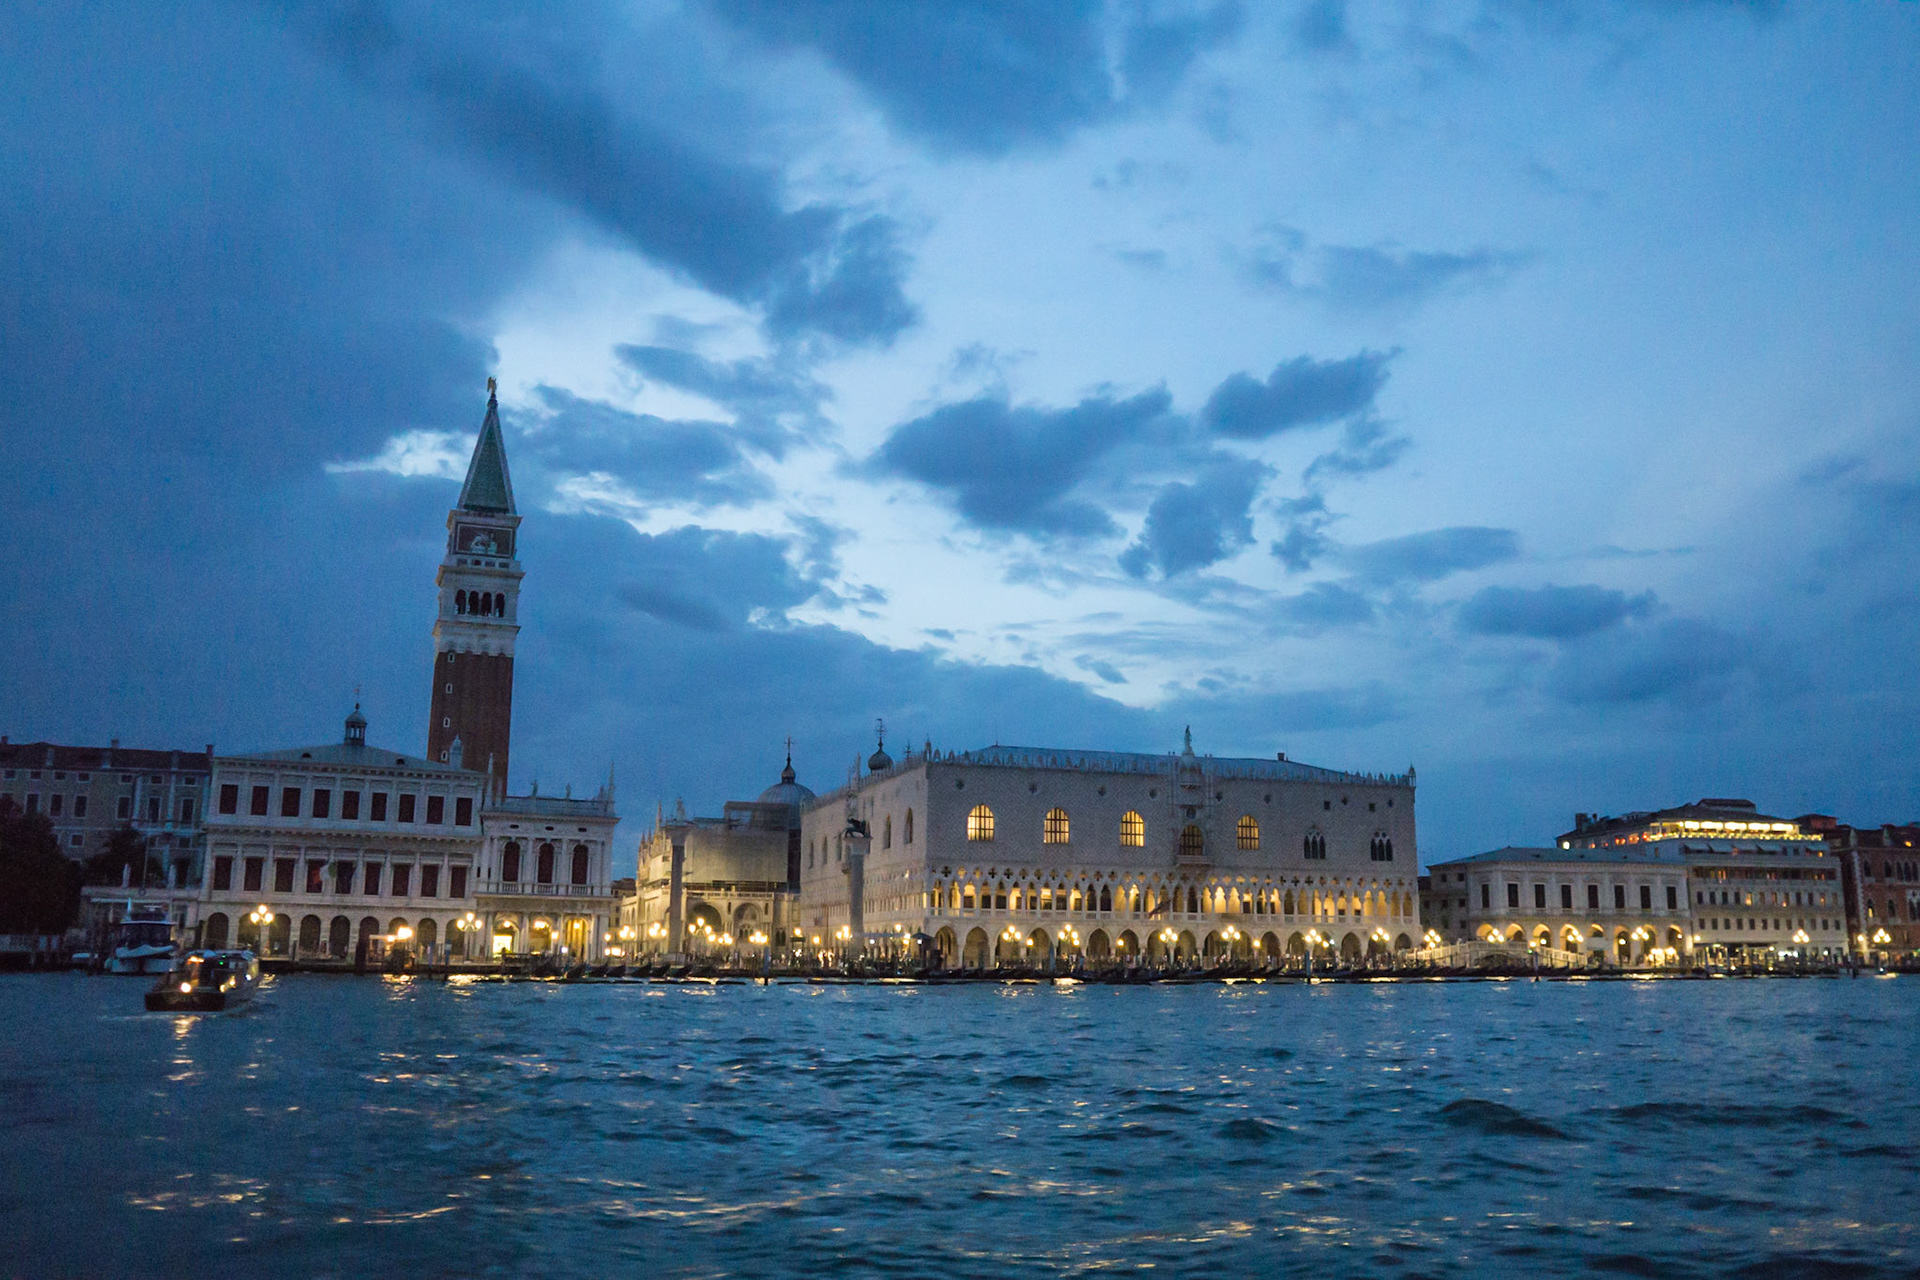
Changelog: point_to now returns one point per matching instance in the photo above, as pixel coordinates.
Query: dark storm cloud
(709, 579)
(1430, 556)
(1680, 660)
(1301, 392)
(1550, 613)
(766, 394)
(724, 224)
(1014, 469)
(1191, 526)
(702, 463)
(979, 77)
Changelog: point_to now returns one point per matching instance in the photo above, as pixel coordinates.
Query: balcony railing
(529, 888)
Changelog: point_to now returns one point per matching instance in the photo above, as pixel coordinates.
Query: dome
(788, 791)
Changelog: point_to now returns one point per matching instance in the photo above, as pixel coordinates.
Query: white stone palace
(1013, 853)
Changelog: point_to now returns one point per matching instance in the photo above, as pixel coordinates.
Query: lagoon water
(354, 1126)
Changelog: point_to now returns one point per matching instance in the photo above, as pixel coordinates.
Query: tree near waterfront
(39, 885)
(126, 848)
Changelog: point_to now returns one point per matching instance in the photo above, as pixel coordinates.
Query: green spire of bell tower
(488, 487)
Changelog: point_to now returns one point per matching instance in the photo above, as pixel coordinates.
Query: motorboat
(206, 982)
(142, 941)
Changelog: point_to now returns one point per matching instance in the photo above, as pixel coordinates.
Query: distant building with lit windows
(1880, 876)
(1758, 885)
(1623, 906)
(344, 844)
(1035, 852)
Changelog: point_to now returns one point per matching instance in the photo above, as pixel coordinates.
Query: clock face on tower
(479, 540)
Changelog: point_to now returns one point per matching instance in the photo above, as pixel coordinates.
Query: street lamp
(1313, 940)
(468, 923)
(262, 916)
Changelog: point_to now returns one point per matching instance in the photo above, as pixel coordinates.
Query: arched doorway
(945, 947)
(1128, 944)
(1350, 946)
(309, 935)
(339, 937)
(213, 934)
(280, 935)
(426, 933)
(1098, 945)
(977, 950)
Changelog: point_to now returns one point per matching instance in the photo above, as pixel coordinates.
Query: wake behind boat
(206, 982)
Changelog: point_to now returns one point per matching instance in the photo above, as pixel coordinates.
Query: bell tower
(473, 635)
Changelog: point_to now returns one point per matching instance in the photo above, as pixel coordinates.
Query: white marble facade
(1028, 853)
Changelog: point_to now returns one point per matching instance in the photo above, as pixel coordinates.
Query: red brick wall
(473, 701)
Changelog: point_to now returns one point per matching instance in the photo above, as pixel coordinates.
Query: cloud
(1550, 613)
(1190, 526)
(1379, 277)
(776, 401)
(1364, 447)
(975, 77)
(710, 579)
(657, 459)
(1105, 670)
(1300, 392)
(1321, 27)
(1680, 660)
(1430, 556)
(725, 225)
(1013, 469)
(1324, 605)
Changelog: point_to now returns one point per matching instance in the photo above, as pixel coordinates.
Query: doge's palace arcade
(1015, 853)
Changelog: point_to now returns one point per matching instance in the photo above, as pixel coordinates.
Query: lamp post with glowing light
(468, 924)
(262, 916)
(1313, 939)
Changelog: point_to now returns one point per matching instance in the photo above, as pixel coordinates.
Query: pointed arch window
(980, 824)
(1247, 833)
(907, 835)
(1381, 849)
(1055, 829)
(886, 833)
(1133, 830)
(1315, 844)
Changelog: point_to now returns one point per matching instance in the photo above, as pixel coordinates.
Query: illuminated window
(1055, 831)
(1133, 830)
(1248, 832)
(1192, 843)
(980, 823)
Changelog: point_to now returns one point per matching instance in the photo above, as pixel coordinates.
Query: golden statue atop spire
(490, 386)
